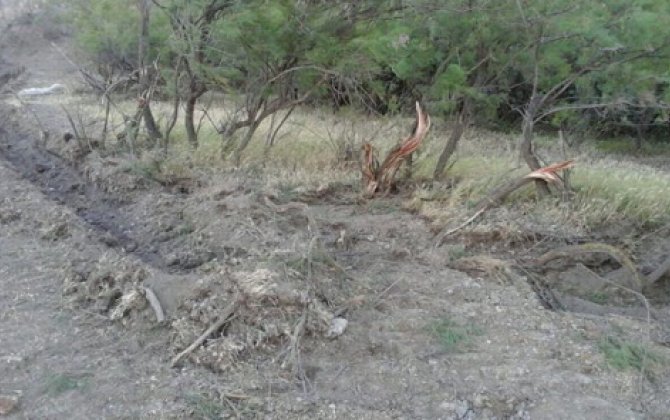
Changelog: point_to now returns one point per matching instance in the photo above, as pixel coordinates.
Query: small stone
(7, 404)
(337, 327)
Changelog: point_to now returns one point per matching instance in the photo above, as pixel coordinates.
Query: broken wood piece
(155, 304)
(223, 319)
(548, 173)
(378, 178)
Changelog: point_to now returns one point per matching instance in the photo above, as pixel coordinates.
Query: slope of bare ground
(71, 251)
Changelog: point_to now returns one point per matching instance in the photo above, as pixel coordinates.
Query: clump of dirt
(106, 287)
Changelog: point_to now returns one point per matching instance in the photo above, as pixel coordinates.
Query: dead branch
(223, 319)
(73, 125)
(292, 357)
(88, 78)
(33, 113)
(155, 304)
(548, 174)
(572, 250)
(442, 236)
(273, 131)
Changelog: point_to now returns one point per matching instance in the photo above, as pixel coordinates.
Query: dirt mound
(269, 317)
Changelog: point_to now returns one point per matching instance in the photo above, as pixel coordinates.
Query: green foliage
(488, 54)
(624, 355)
(108, 31)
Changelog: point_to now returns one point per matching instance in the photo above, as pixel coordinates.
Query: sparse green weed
(456, 252)
(59, 383)
(205, 408)
(598, 297)
(624, 355)
(185, 228)
(454, 337)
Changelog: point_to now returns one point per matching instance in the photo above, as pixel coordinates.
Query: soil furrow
(65, 185)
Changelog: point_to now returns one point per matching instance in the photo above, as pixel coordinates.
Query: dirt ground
(82, 240)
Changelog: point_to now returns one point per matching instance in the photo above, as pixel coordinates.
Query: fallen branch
(548, 174)
(442, 236)
(293, 357)
(155, 304)
(223, 319)
(573, 250)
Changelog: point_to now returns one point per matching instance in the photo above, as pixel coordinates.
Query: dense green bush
(602, 65)
(108, 31)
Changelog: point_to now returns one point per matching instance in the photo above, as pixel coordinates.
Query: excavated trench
(63, 184)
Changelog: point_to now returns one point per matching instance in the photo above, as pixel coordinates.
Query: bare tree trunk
(175, 110)
(197, 89)
(450, 147)
(237, 156)
(149, 121)
(189, 112)
(526, 149)
(105, 126)
(639, 137)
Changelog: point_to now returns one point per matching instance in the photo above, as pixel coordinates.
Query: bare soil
(80, 239)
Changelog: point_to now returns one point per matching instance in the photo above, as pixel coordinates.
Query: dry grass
(611, 190)
(308, 153)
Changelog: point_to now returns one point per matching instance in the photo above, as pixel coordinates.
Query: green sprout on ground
(624, 355)
(59, 383)
(453, 336)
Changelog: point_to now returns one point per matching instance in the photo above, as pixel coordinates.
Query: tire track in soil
(63, 184)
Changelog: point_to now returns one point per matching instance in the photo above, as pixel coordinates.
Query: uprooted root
(574, 250)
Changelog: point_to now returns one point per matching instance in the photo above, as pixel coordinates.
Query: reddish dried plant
(378, 178)
(549, 173)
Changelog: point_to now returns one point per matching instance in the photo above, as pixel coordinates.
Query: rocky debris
(110, 286)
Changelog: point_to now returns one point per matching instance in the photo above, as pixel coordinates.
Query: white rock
(55, 88)
(337, 327)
